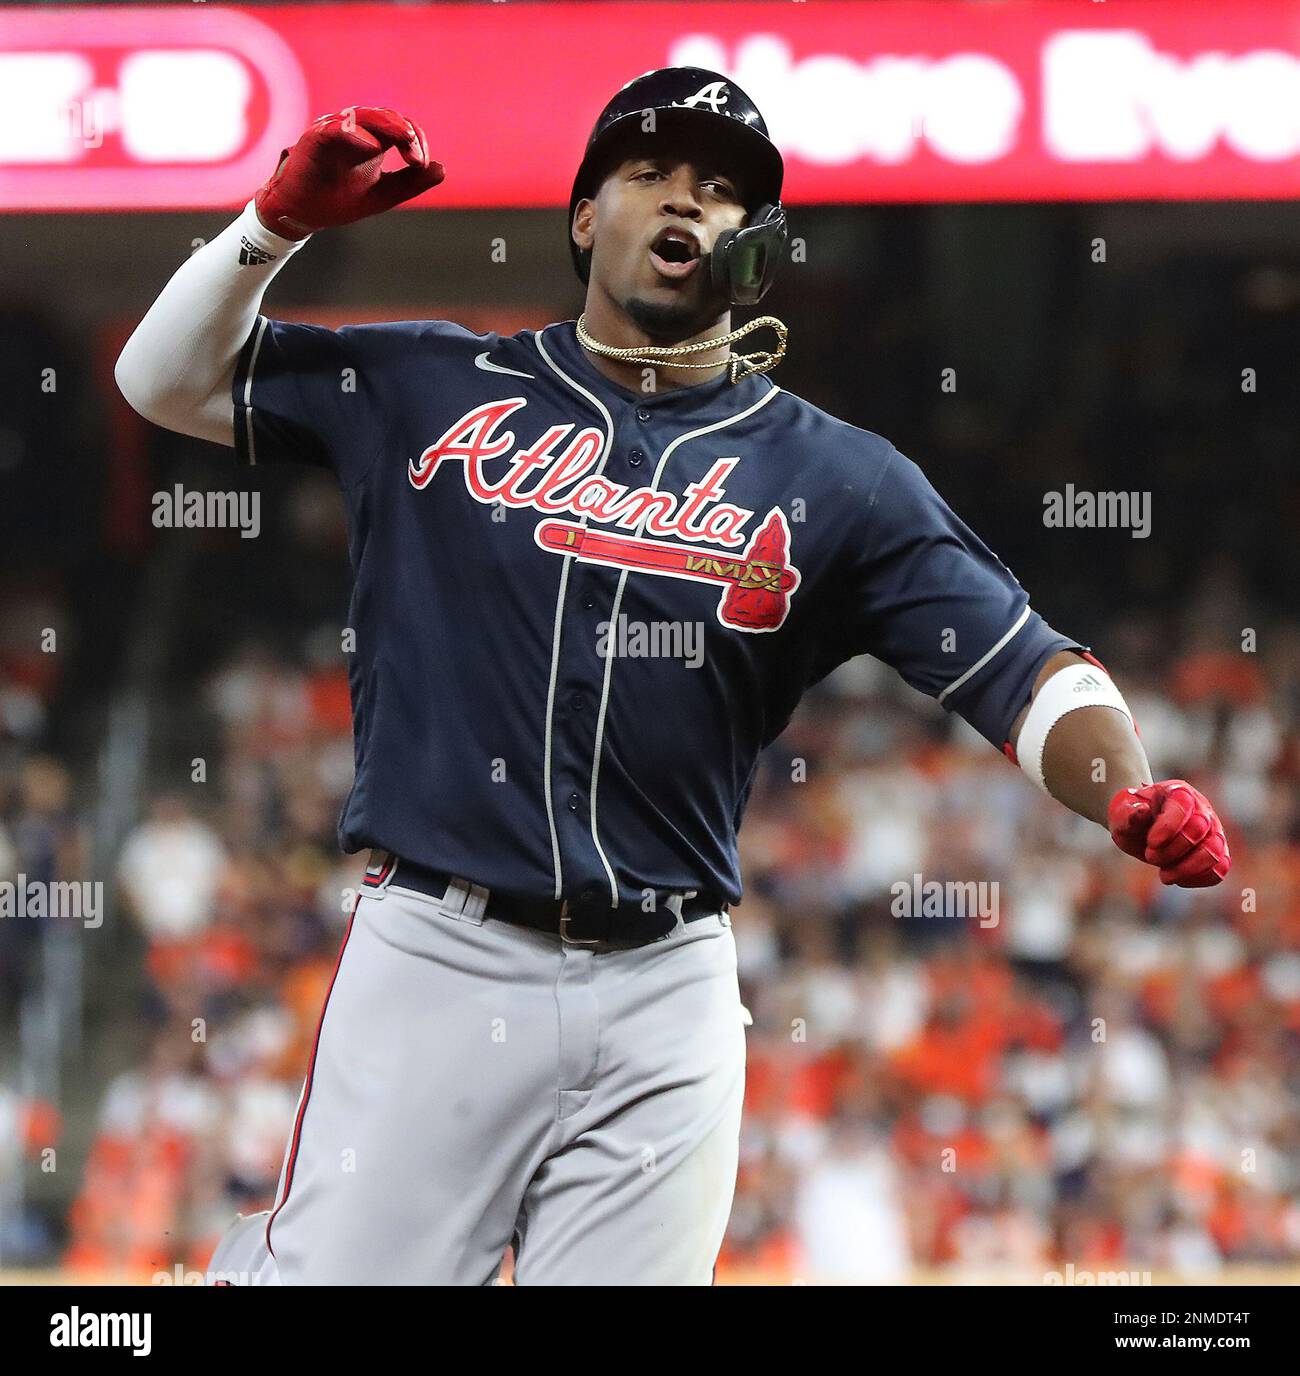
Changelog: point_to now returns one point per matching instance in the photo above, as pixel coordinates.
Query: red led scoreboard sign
(188, 106)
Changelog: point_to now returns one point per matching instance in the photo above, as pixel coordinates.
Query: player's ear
(583, 228)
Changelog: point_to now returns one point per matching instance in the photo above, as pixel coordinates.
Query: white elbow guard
(1079, 685)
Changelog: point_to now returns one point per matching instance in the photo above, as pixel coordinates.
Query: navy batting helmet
(714, 111)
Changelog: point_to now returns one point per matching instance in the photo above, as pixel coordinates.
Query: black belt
(578, 922)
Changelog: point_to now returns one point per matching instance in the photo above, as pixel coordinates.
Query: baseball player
(534, 1034)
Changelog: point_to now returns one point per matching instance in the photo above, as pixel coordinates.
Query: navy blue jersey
(581, 612)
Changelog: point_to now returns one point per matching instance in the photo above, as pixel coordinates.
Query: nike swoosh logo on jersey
(482, 361)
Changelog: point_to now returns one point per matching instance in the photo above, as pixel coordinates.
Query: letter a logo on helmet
(719, 116)
(714, 96)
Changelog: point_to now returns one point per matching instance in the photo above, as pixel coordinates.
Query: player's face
(650, 227)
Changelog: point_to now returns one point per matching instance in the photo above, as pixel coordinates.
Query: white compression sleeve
(177, 368)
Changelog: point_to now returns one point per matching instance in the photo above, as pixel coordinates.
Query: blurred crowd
(1102, 1077)
(1091, 1070)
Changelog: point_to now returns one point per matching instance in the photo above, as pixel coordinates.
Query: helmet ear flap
(744, 261)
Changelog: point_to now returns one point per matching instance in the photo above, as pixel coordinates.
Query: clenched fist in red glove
(332, 175)
(1171, 825)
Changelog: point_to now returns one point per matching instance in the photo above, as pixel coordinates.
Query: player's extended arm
(1076, 739)
(178, 366)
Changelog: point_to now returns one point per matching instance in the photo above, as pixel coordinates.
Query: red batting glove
(1173, 826)
(332, 176)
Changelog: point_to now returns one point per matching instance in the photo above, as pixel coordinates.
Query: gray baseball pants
(476, 1084)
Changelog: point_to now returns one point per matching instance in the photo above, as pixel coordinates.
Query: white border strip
(980, 663)
(618, 599)
(555, 645)
(262, 323)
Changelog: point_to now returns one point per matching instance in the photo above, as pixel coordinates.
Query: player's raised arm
(1077, 741)
(178, 367)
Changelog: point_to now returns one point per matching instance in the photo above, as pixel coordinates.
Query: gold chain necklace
(656, 355)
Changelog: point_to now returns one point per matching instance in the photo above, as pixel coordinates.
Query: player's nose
(680, 197)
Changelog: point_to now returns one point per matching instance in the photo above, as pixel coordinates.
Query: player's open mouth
(675, 253)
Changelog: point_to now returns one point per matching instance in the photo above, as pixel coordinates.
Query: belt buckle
(564, 929)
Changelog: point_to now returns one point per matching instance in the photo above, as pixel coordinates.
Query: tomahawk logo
(714, 96)
(756, 585)
(559, 476)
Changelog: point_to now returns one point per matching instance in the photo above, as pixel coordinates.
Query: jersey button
(635, 457)
(589, 602)
(574, 800)
(642, 414)
(577, 702)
